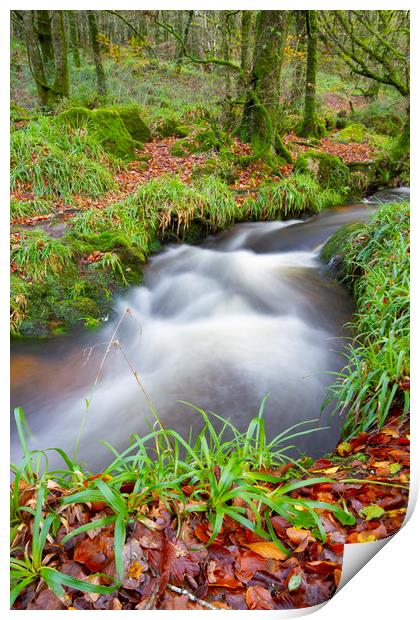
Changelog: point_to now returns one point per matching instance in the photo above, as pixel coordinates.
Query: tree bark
(61, 81)
(309, 125)
(43, 31)
(74, 38)
(225, 50)
(298, 85)
(93, 34)
(246, 27)
(181, 49)
(36, 64)
(261, 112)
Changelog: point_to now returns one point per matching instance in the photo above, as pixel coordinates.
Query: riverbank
(234, 524)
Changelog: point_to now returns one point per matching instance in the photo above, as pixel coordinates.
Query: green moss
(176, 150)
(338, 244)
(355, 132)
(170, 126)
(110, 131)
(130, 115)
(328, 170)
(72, 311)
(76, 117)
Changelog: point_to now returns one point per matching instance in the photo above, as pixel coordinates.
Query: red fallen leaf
(47, 600)
(258, 597)
(321, 567)
(249, 563)
(221, 575)
(322, 464)
(298, 535)
(92, 554)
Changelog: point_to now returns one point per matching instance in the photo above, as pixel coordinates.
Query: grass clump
(328, 170)
(38, 255)
(376, 261)
(49, 160)
(294, 195)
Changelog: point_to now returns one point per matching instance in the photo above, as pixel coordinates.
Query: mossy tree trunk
(93, 35)
(43, 32)
(225, 50)
(181, 48)
(309, 125)
(74, 37)
(45, 93)
(261, 111)
(61, 81)
(298, 85)
(247, 19)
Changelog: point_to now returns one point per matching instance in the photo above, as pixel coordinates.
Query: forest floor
(168, 563)
(157, 159)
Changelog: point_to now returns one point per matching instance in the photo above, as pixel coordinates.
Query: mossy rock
(105, 126)
(110, 131)
(130, 115)
(356, 132)
(171, 126)
(328, 170)
(75, 117)
(338, 244)
(18, 113)
(388, 124)
(74, 310)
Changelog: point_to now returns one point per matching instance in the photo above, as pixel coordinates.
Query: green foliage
(328, 170)
(38, 255)
(376, 260)
(54, 161)
(294, 195)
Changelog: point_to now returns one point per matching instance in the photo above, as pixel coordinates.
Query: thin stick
(192, 598)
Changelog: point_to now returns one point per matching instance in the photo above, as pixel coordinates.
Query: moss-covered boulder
(76, 117)
(338, 243)
(356, 132)
(177, 150)
(110, 131)
(130, 115)
(104, 126)
(171, 126)
(328, 170)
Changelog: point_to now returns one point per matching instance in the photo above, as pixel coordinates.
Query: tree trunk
(310, 126)
(225, 51)
(298, 87)
(246, 26)
(74, 38)
(61, 81)
(43, 31)
(36, 64)
(182, 45)
(93, 34)
(260, 116)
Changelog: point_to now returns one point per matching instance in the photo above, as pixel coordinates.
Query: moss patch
(352, 133)
(130, 115)
(328, 170)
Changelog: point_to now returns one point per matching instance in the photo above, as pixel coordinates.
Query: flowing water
(247, 313)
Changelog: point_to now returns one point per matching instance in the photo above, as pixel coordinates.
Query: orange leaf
(267, 550)
(258, 597)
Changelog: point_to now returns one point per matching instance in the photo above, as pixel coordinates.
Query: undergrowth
(376, 377)
(204, 475)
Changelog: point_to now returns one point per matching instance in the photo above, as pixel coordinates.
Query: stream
(249, 312)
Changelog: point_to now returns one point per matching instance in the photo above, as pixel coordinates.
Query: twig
(191, 596)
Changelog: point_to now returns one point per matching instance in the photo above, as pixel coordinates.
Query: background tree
(261, 112)
(93, 35)
(61, 82)
(74, 37)
(310, 125)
